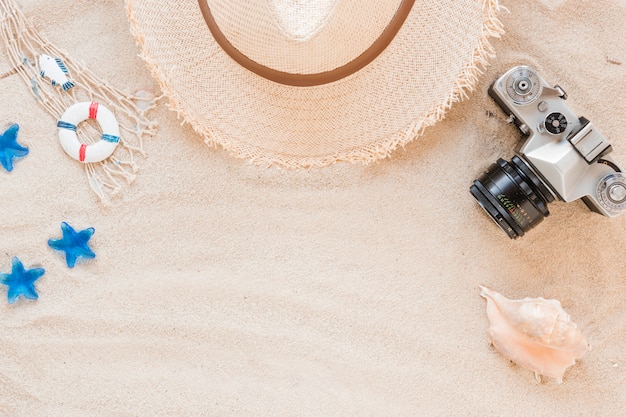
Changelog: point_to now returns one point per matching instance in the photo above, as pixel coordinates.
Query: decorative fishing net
(23, 46)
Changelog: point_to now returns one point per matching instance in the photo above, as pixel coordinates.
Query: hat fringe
(492, 28)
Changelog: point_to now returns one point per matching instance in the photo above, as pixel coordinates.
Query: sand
(224, 289)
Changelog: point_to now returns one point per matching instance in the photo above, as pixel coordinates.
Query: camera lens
(514, 197)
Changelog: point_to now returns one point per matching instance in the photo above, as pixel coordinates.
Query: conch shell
(534, 333)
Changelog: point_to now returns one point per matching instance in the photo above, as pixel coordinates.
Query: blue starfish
(21, 281)
(73, 243)
(9, 148)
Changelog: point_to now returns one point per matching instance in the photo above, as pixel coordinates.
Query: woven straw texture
(302, 36)
(432, 62)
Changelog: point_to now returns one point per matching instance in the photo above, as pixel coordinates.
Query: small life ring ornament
(95, 152)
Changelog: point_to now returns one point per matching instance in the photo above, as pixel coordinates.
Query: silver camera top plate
(569, 154)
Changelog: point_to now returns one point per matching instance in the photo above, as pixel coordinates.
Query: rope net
(24, 45)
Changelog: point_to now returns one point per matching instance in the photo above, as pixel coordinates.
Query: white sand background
(224, 289)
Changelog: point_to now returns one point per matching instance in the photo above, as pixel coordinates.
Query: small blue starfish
(9, 148)
(21, 281)
(73, 243)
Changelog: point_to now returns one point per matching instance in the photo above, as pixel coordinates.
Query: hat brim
(432, 62)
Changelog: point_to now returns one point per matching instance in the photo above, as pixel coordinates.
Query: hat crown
(302, 36)
(300, 20)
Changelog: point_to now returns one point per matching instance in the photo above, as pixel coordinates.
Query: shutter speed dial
(611, 192)
(523, 85)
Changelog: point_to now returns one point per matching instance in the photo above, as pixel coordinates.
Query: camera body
(562, 157)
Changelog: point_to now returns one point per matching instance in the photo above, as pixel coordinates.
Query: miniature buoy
(95, 152)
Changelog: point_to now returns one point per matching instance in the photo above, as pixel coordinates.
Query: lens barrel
(514, 197)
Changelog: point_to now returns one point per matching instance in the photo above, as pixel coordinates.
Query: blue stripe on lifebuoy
(66, 125)
(110, 138)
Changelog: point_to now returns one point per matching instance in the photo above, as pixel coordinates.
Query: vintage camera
(562, 157)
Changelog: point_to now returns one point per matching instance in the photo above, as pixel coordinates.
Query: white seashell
(534, 333)
(144, 99)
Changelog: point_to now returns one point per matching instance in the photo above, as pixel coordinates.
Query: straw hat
(303, 83)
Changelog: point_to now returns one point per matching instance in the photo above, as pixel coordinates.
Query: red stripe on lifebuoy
(93, 110)
(81, 152)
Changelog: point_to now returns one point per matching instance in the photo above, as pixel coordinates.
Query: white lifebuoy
(80, 112)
